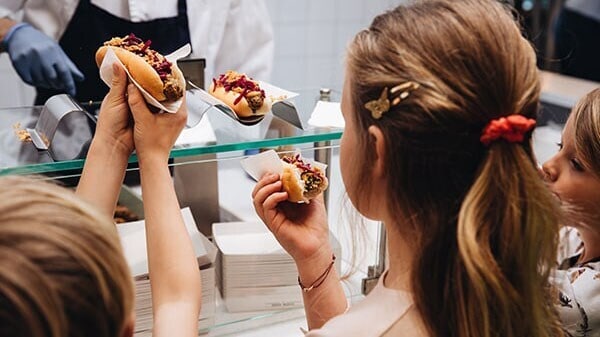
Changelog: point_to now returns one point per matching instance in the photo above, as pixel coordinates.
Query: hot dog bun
(166, 87)
(242, 94)
(302, 182)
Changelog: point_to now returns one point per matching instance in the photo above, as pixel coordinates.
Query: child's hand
(115, 128)
(301, 229)
(154, 134)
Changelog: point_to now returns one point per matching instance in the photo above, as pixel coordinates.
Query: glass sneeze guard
(18, 156)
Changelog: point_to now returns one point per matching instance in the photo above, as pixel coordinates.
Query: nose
(550, 171)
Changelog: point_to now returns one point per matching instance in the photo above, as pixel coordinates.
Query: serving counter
(211, 140)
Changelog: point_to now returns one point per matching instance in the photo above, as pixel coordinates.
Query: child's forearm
(174, 271)
(328, 299)
(102, 176)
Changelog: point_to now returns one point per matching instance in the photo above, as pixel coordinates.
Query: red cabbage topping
(233, 81)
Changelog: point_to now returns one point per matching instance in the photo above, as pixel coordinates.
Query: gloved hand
(39, 60)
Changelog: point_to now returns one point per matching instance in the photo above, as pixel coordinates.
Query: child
(573, 175)
(439, 102)
(62, 270)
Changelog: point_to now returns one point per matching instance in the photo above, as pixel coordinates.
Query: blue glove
(39, 60)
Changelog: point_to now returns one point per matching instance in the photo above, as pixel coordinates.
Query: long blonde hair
(484, 225)
(62, 270)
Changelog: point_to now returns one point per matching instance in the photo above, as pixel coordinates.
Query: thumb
(136, 101)
(119, 81)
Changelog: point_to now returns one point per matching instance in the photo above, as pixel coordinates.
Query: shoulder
(381, 313)
(579, 299)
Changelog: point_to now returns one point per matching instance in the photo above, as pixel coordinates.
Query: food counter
(206, 172)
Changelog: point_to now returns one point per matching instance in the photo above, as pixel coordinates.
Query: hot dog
(159, 77)
(301, 180)
(241, 93)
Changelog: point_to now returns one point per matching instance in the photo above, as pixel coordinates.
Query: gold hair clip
(382, 105)
(379, 106)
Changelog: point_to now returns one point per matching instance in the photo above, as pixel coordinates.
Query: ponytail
(507, 231)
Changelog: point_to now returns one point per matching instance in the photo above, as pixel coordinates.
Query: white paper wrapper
(106, 74)
(269, 162)
(262, 163)
(272, 92)
(327, 114)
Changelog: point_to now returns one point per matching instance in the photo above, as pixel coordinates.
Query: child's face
(348, 145)
(577, 187)
(369, 203)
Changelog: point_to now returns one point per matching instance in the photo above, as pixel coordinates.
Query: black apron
(91, 26)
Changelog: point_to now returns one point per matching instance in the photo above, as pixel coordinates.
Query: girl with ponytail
(440, 101)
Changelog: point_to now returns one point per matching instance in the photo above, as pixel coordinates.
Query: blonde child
(573, 175)
(439, 102)
(62, 270)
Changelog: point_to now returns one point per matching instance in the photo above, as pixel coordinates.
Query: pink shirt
(384, 312)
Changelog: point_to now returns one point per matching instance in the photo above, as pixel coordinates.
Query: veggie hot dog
(302, 181)
(159, 77)
(242, 94)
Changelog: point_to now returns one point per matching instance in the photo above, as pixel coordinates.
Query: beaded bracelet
(320, 279)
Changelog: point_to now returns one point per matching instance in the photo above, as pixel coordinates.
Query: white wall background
(310, 40)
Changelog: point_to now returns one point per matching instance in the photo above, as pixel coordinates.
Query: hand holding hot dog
(154, 134)
(301, 229)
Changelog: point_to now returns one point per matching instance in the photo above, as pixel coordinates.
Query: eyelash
(576, 165)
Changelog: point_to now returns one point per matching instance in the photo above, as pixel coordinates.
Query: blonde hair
(62, 270)
(586, 124)
(484, 225)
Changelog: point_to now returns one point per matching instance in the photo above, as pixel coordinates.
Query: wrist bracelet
(320, 279)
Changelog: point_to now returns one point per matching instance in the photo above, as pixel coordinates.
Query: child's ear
(378, 147)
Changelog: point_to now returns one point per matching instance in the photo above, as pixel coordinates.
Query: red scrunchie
(512, 129)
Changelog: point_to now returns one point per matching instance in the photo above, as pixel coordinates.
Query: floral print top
(578, 288)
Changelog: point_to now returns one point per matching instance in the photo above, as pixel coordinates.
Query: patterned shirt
(578, 288)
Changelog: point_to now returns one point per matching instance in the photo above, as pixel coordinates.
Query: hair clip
(379, 106)
(382, 105)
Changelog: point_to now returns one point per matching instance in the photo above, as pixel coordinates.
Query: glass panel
(215, 134)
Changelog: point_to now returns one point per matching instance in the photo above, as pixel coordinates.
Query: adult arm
(248, 32)
(5, 25)
(8, 9)
(36, 57)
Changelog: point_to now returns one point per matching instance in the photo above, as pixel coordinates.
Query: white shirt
(229, 34)
(384, 312)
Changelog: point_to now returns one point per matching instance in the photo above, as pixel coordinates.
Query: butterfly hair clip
(383, 104)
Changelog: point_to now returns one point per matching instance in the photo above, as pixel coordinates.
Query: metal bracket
(55, 109)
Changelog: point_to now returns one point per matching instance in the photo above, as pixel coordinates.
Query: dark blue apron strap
(181, 7)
